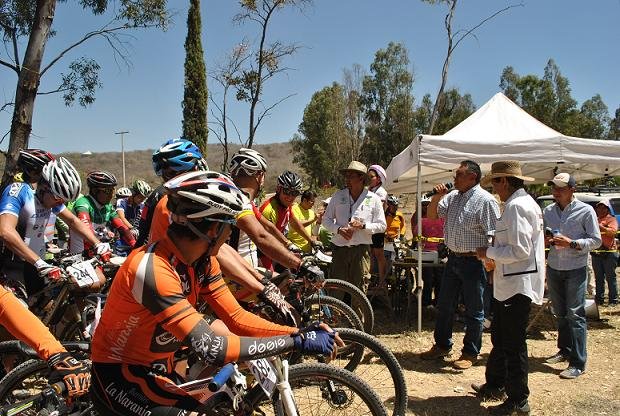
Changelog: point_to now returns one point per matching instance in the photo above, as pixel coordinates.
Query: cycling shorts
(123, 389)
(378, 240)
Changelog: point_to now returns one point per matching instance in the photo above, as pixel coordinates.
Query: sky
(583, 37)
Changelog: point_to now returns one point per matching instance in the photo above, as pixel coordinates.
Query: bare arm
(273, 230)
(10, 236)
(121, 215)
(78, 226)
(267, 243)
(236, 268)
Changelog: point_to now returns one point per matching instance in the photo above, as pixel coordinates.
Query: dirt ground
(435, 388)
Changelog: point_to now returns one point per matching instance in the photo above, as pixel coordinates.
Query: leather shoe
(486, 392)
(464, 361)
(510, 407)
(435, 352)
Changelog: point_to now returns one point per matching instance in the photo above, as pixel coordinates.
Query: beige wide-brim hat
(505, 168)
(355, 166)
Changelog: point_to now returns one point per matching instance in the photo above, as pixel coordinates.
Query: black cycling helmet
(290, 180)
(33, 159)
(101, 179)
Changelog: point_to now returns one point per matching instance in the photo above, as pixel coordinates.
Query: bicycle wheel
(321, 389)
(370, 360)
(333, 312)
(336, 288)
(29, 379)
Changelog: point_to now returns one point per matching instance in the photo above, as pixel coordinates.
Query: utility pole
(123, 133)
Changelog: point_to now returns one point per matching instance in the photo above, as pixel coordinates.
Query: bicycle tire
(360, 355)
(308, 382)
(31, 378)
(337, 313)
(359, 301)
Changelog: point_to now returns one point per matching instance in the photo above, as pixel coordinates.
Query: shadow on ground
(446, 405)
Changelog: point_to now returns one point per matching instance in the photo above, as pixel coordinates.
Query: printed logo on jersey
(15, 188)
(163, 341)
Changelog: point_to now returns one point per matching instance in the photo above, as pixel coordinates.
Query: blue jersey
(34, 221)
(131, 212)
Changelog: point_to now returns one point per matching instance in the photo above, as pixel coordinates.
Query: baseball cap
(562, 180)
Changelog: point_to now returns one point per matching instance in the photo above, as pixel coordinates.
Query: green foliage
(81, 81)
(387, 103)
(453, 108)
(549, 100)
(614, 126)
(195, 88)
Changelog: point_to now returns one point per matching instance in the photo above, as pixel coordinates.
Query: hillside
(138, 162)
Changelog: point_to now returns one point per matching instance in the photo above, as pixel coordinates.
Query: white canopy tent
(499, 130)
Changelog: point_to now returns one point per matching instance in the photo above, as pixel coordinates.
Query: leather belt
(464, 254)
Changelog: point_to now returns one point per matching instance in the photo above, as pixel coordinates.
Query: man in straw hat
(575, 233)
(470, 214)
(519, 254)
(353, 214)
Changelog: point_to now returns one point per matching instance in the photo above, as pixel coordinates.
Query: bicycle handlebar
(221, 377)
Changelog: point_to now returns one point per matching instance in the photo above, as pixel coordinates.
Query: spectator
(605, 261)
(431, 227)
(322, 233)
(395, 231)
(575, 233)
(305, 214)
(354, 214)
(470, 214)
(519, 254)
(376, 179)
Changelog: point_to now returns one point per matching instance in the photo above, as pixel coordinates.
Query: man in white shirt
(354, 214)
(519, 254)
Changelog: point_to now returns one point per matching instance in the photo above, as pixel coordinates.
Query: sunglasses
(107, 191)
(290, 192)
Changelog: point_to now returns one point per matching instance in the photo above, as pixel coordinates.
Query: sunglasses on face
(107, 191)
(290, 192)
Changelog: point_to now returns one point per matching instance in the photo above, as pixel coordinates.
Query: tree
(354, 115)
(318, 145)
(33, 20)
(268, 59)
(454, 39)
(387, 103)
(591, 121)
(195, 87)
(614, 126)
(453, 109)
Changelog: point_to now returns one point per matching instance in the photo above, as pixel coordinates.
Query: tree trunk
(28, 85)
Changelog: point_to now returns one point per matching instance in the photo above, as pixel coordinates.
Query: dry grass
(437, 389)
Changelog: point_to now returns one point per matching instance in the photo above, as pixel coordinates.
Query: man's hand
(314, 339)
(439, 191)
(316, 244)
(560, 240)
(311, 272)
(481, 253)
(346, 232)
(72, 372)
(102, 248)
(47, 271)
(356, 223)
(293, 248)
(272, 296)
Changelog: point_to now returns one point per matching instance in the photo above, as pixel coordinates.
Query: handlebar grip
(221, 377)
(59, 387)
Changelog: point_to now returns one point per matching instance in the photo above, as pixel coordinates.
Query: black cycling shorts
(378, 240)
(134, 390)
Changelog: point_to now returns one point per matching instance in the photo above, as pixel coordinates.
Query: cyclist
(277, 210)
(30, 162)
(130, 207)
(174, 157)
(96, 211)
(151, 308)
(122, 193)
(24, 215)
(395, 231)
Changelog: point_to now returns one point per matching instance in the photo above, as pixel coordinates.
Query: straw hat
(355, 166)
(505, 168)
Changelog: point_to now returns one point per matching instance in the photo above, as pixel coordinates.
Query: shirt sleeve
(519, 245)
(329, 217)
(592, 231)
(489, 215)
(12, 199)
(378, 223)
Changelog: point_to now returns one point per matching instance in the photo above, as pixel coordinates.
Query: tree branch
(266, 111)
(9, 65)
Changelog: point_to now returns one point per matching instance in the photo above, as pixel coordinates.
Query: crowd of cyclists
(182, 238)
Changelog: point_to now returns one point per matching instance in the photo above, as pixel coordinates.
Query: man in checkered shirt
(470, 214)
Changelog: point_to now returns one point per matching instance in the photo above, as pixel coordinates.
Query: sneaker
(486, 392)
(559, 357)
(571, 372)
(464, 361)
(435, 352)
(509, 407)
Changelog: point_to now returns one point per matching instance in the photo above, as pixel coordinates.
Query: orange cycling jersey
(160, 221)
(151, 311)
(25, 326)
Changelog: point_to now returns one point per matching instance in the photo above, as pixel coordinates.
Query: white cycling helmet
(63, 179)
(204, 194)
(141, 187)
(247, 160)
(123, 192)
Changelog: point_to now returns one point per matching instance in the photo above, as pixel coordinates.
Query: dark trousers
(507, 365)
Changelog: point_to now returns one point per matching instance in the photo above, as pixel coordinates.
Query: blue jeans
(567, 291)
(464, 273)
(604, 265)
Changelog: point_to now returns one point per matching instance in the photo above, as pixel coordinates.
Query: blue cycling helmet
(178, 154)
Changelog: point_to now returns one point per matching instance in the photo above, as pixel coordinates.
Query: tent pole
(420, 282)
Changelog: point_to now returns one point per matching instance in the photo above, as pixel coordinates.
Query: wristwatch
(573, 244)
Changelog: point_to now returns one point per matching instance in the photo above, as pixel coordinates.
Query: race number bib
(83, 274)
(264, 373)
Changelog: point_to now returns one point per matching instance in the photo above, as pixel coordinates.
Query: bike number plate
(265, 374)
(83, 274)
(323, 257)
